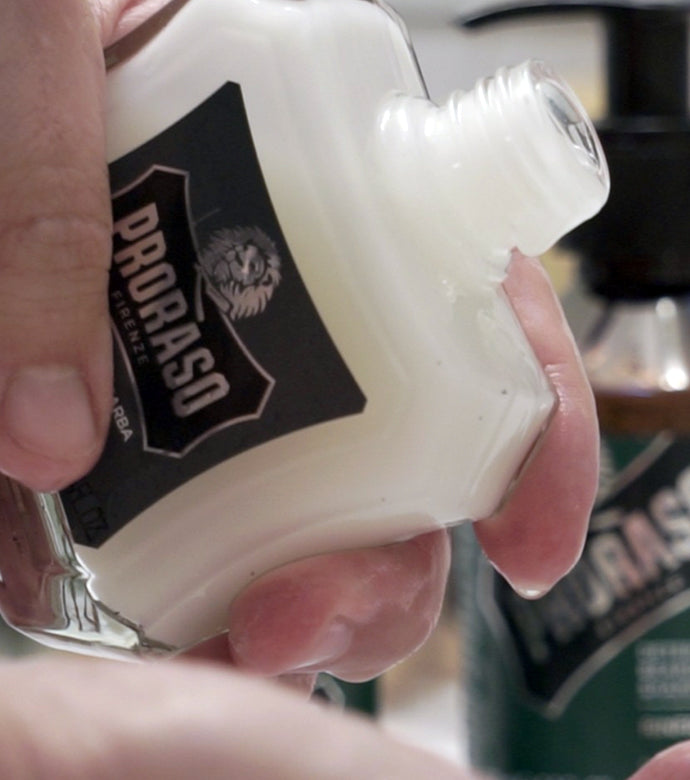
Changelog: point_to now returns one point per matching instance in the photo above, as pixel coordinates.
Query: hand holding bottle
(55, 382)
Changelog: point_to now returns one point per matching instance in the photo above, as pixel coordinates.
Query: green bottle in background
(594, 678)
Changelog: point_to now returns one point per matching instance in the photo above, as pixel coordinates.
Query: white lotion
(391, 389)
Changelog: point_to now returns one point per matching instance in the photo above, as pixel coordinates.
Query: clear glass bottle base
(44, 588)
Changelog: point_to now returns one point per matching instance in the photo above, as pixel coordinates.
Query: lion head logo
(242, 268)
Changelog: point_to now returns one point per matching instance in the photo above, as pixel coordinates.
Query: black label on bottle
(173, 310)
(218, 344)
(633, 575)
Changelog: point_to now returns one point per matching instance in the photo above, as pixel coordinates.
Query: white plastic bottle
(313, 349)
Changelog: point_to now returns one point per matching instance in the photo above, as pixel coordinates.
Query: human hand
(79, 719)
(352, 613)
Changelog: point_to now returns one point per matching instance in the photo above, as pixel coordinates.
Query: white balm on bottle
(313, 350)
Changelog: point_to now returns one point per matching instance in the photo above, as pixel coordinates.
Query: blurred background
(452, 57)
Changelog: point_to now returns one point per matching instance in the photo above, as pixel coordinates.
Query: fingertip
(538, 535)
(352, 614)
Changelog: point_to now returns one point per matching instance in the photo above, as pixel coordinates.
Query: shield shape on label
(190, 371)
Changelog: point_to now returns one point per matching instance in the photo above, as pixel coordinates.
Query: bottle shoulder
(315, 67)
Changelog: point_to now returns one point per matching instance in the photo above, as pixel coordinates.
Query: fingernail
(330, 645)
(47, 410)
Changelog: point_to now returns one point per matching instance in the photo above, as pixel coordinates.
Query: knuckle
(52, 265)
(55, 250)
(54, 219)
(52, 256)
(62, 240)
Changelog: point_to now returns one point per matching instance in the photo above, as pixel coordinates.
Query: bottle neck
(514, 163)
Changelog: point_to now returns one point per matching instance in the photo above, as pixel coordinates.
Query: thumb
(55, 342)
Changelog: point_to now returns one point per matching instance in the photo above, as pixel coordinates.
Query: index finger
(538, 535)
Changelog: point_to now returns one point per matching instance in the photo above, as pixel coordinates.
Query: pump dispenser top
(639, 245)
